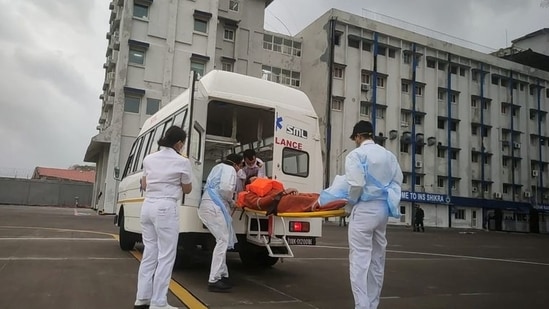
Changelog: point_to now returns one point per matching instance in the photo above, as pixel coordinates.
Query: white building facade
(470, 129)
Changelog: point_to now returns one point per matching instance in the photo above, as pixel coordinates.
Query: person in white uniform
(166, 174)
(252, 167)
(375, 178)
(214, 211)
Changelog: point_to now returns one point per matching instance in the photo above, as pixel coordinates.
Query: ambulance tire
(255, 256)
(126, 239)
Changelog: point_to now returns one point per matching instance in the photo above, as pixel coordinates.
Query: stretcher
(268, 238)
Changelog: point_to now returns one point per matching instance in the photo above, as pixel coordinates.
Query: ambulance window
(157, 135)
(143, 151)
(196, 142)
(180, 119)
(136, 161)
(129, 161)
(295, 162)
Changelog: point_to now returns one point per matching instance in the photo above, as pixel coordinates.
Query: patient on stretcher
(270, 195)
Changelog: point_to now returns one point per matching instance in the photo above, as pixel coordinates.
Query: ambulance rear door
(297, 159)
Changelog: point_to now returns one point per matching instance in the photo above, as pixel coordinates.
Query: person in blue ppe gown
(374, 178)
(215, 212)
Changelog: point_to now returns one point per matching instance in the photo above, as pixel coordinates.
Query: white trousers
(213, 219)
(367, 243)
(160, 224)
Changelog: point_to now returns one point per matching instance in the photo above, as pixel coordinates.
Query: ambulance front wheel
(126, 239)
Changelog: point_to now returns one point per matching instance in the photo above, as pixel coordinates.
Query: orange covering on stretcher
(269, 195)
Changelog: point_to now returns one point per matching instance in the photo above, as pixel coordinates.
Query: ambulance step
(279, 251)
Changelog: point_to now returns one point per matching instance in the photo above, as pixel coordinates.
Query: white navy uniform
(214, 212)
(375, 180)
(164, 172)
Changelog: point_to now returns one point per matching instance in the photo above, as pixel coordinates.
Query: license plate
(303, 241)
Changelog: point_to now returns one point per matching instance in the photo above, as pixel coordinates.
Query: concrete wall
(15, 191)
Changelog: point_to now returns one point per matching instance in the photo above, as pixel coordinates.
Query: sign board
(423, 197)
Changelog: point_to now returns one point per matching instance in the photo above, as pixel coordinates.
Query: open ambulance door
(296, 151)
(196, 134)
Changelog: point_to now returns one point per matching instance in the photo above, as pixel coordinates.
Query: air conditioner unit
(475, 189)
(404, 124)
(497, 195)
(364, 87)
(527, 194)
(419, 164)
(535, 173)
(516, 145)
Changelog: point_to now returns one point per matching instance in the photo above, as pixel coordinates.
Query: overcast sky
(52, 54)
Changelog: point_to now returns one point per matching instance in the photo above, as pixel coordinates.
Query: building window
(431, 63)
(419, 149)
(442, 66)
(440, 181)
(418, 180)
(233, 5)
(495, 80)
(485, 131)
(198, 67)
(228, 35)
(353, 43)
(419, 91)
(406, 58)
(381, 82)
(453, 69)
(136, 56)
(454, 154)
(503, 109)
(200, 26)
(453, 125)
(364, 108)
(474, 157)
(405, 87)
(366, 46)
(381, 50)
(454, 98)
(474, 129)
(140, 11)
(404, 180)
(297, 49)
(392, 53)
(131, 104)
(404, 147)
(440, 95)
(505, 162)
(474, 76)
(267, 42)
(227, 66)
(419, 119)
(339, 72)
(441, 153)
(365, 78)
(460, 214)
(287, 47)
(474, 103)
(296, 79)
(380, 113)
(337, 104)
(153, 105)
(277, 44)
(441, 123)
(462, 71)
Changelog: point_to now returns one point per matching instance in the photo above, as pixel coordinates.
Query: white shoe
(164, 307)
(142, 302)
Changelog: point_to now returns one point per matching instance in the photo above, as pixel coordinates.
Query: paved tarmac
(67, 258)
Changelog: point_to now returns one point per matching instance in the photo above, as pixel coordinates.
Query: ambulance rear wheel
(255, 256)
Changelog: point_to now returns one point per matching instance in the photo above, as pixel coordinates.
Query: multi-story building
(469, 129)
(153, 46)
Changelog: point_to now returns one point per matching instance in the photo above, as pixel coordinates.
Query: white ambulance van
(224, 113)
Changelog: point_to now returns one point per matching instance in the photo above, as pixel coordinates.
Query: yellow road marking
(177, 289)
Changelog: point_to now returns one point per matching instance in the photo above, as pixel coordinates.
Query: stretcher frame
(267, 240)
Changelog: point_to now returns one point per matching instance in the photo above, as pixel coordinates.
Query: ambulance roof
(233, 87)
